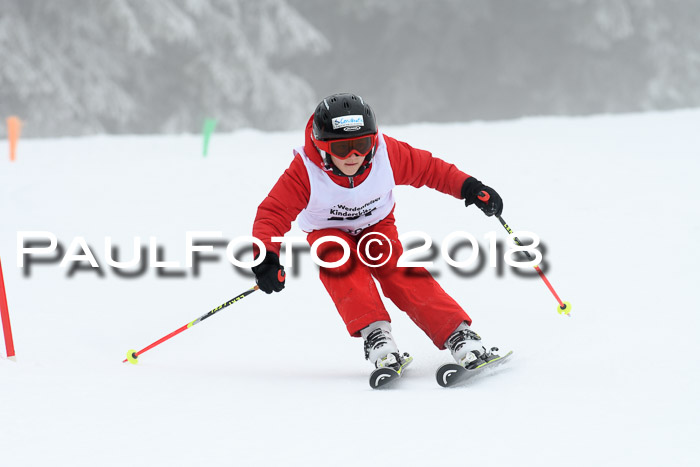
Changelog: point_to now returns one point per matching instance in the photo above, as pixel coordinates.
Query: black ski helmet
(342, 116)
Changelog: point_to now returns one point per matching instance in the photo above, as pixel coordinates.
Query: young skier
(340, 184)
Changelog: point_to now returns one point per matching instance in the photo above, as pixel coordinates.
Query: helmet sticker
(356, 121)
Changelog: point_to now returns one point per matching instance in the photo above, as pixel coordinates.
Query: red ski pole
(564, 308)
(132, 355)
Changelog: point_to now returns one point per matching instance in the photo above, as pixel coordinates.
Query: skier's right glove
(269, 275)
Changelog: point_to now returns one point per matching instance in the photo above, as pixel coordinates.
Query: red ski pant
(413, 290)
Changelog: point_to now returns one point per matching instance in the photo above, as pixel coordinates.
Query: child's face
(349, 166)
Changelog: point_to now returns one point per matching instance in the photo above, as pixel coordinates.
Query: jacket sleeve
(418, 168)
(280, 208)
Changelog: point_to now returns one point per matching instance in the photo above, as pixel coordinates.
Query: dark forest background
(73, 67)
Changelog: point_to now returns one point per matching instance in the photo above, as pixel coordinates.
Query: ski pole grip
(483, 196)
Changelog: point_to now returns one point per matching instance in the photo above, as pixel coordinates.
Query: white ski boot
(380, 348)
(467, 349)
(379, 343)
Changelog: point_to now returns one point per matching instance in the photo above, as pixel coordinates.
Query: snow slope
(275, 380)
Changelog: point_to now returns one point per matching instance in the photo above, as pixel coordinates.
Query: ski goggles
(344, 148)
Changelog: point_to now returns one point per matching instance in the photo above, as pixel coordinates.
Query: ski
(383, 376)
(452, 374)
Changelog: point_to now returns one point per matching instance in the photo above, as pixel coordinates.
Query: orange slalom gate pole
(132, 355)
(14, 128)
(5, 318)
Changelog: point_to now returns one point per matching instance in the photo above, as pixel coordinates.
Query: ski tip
(447, 373)
(381, 376)
(131, 357)
(452, 374)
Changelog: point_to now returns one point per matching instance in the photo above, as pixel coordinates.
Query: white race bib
(348, 209)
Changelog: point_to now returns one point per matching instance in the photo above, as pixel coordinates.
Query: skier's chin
(350, 170)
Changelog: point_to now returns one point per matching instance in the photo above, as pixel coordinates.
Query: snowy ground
(274, 380)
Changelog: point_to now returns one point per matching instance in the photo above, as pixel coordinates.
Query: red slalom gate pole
(132, 355)
(564, 308)
(5, 318)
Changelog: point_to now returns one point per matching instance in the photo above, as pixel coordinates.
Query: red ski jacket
(290, 195)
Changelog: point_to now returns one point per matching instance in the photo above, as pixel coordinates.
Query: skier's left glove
(484, 197)
(269, 275)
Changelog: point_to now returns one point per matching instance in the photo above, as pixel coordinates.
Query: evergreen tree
(77, 66)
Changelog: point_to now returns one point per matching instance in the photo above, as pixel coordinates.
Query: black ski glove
(484, 197)
(269, 275)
